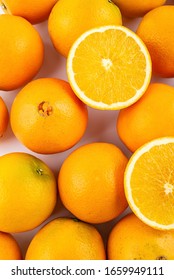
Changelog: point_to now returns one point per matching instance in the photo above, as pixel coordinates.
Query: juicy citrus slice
(109, 67)
(149, 183)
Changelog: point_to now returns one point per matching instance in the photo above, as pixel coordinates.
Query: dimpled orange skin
(4, 117)
(66, 239)
(9, 249)
(131, 239)
(137, 8)
(90, 182)
(34, 12)
(49, 110)
(21, 52)
(156, 30)
(150, 117)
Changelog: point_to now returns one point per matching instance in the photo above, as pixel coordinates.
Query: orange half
(109, 67)
(149, 183)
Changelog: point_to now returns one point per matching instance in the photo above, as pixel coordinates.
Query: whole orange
(21, 52)
(9, 248)
(69, 19)
(4, 117)
(156, 30)
(137, 8)
(90, 182)
(131, 239)
(152, 116)
(47, 117)
(66, 239)
(34, 12)
(28, 192)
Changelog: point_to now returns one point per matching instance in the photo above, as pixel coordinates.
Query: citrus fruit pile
(86, 130)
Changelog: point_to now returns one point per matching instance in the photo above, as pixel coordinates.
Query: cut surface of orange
(149, 183)
(109, 67)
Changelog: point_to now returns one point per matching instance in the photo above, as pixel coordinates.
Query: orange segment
(149, 183)
(109, 67)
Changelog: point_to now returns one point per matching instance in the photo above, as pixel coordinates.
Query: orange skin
(21, 52)
(152, 116)
(4, 117)
(33, 12)
(131, 239)
(66, 239)
(90, 182)
(9, 249)
(55, 116)
(156, 30)
(137, 8)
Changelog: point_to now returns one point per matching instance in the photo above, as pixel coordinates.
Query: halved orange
(149, 183)
(109, 67)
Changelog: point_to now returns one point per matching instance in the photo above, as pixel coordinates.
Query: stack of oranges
(52, 126)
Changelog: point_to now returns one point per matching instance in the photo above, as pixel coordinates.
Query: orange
(55, 116)
(149, 183)
(69, 19)
(28, 192)
(66, 239)
(137, 8)
(131, 239)
(156, 30)
(21, 52)
(4, 117)
(9, 249)
(150, 117)
(34, 12)
(109, 67)
(90, 182)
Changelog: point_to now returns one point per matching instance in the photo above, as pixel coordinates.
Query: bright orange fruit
(9, 248)
(55, 116)
(69, 19)
(28, 192)
(152, 116)
(131, 239)
(66, 239)
(91, 182)
(34, 12)
(21, 52)
(156, 30)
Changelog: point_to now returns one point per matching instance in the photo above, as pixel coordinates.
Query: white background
(101, 127)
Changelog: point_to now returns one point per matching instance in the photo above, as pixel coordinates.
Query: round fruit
(9, 249)
(137, 8)
(91, 182)
(156, 29)
(55, 116)
(66, 239)
(69, 19)
(121, 74)
(131, 239)
(21, 52)
(149, 183)
(34, 12)
(150, 117)
(4, 117)
(28, 192)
